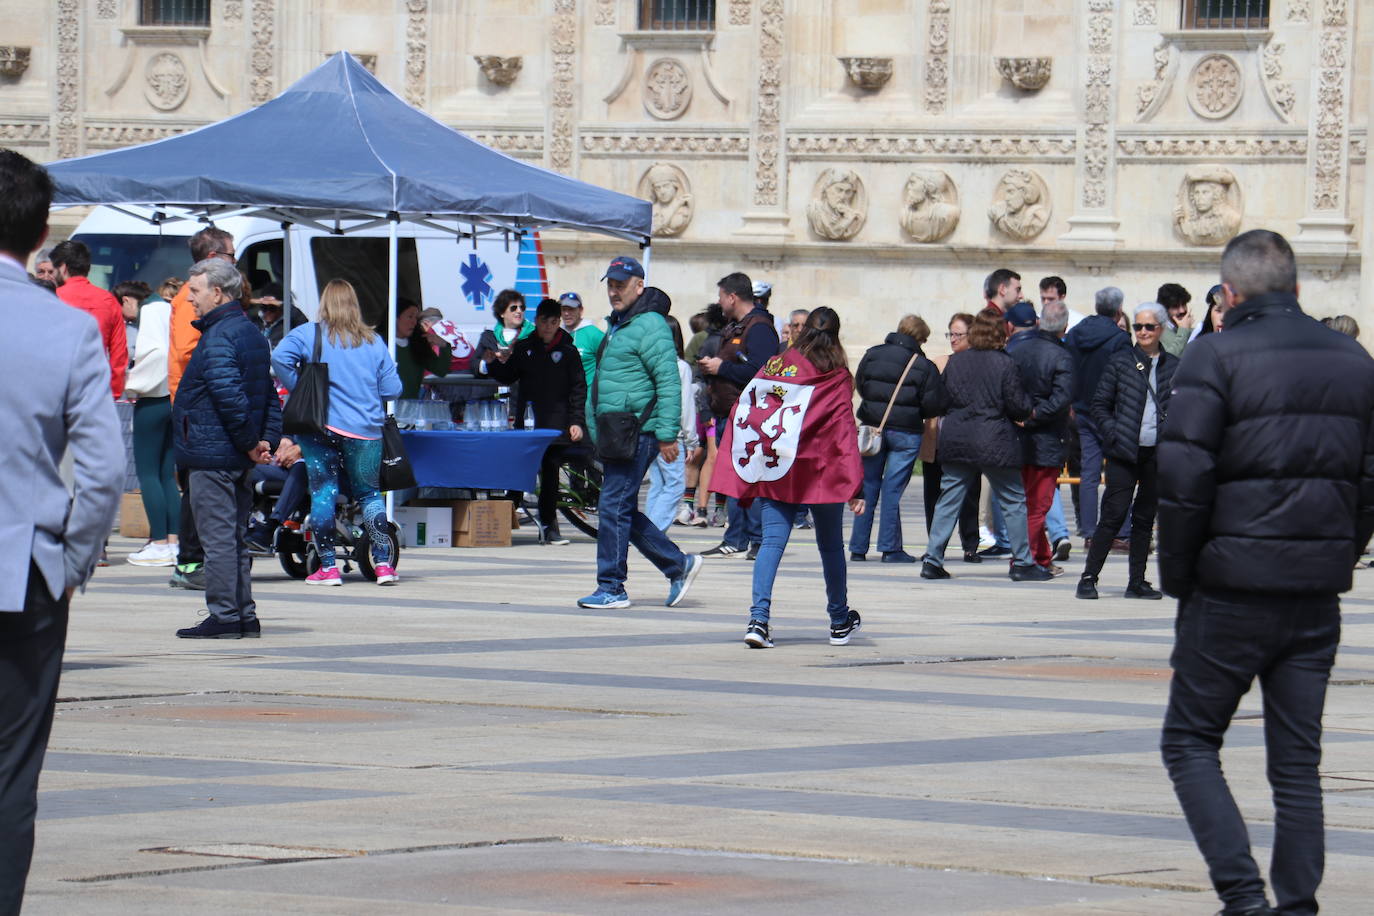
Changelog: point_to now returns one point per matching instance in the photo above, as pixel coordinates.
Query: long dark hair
(677, 333)
(819, 340)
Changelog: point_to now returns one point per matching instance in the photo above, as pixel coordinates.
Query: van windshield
(116, 258)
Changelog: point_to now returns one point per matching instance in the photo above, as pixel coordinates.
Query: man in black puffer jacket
(225, 419)
(1267, 482)
(1092, 342)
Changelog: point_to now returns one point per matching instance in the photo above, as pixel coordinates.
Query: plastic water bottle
(529, 416)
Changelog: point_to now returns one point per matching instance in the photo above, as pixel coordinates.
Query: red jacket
(104, 308)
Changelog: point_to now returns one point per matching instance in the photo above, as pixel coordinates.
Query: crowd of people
(1255, 447)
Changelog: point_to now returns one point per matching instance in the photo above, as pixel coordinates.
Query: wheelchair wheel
(579, 491)
(295, 555)
(362, 553)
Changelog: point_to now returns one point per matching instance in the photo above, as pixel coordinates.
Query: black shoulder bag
(617, 432)
(395, 472)
(307, 409)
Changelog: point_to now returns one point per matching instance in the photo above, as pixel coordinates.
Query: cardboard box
(133, 521)
(476, 522)
(425, 526)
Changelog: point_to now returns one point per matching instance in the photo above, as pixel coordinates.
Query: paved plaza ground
(470, 741)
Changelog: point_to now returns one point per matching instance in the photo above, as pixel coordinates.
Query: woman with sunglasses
(1129, 407)
(511, 325)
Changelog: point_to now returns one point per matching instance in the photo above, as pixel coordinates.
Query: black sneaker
(839, 635)
(753, 553)
(898, 556)
(971, 556)
(930, 571)
(1143, 589)
(995, 552)
(721, 550)
(190, 577)
(1031, 573)
(210, 628)
(1062, 547)
(857, 557)
(251, 629)
(1087, 589)
(756, 635)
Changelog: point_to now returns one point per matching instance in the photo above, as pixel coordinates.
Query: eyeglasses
(1146, 327)
(515, 308)
(955, 335)
(228, 255)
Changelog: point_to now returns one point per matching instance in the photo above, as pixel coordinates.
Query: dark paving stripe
(963, 814)
(1143, 639)
(517, 644)
(184, 796)
(177, 767)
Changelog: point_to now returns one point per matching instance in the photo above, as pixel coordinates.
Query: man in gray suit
(57, 400)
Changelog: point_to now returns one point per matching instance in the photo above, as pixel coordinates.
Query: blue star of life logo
(476, 281)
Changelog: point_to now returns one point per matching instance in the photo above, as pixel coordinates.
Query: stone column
(1326, 228)
(768, 215)
(562, 118)
(1367, 236)
(1094, 221)
(67, 105)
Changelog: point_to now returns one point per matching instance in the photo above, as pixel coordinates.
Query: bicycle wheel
(579, 491)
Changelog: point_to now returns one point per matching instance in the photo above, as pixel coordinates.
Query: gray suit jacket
(54, 397)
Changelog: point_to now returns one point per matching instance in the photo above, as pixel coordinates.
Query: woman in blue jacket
(362, 377)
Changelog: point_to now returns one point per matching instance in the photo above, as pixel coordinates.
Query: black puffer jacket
(1047, 374)
(1118, 405)
(923, 392)
(1092, 342)
(985, 396)
(551, 379)
(1266, 464)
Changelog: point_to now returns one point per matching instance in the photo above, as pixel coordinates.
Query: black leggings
(1123, 478)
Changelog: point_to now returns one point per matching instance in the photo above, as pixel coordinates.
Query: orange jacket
(81, 293)
(182, 338)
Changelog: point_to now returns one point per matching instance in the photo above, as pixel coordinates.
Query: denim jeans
(620, 523)
(743, 526)
(1221, 646)
(1006, 491)
(667, 483)
(778, 518)
(933, 475)
(886, 475)
(1090, 445)
(1055, 524)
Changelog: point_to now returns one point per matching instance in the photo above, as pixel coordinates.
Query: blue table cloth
(507, 460)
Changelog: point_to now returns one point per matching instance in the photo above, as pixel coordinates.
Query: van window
(150, 258)
(262, 263)
(363, 262)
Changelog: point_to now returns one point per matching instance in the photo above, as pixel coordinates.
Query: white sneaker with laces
(153, 554)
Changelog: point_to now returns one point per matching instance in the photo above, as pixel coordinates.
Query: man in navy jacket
(226, 418)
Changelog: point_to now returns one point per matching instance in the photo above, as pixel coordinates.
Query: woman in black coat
(979, 436)
(1128, 407)
(895, 372)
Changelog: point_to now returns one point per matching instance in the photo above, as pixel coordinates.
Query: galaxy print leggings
(360, 460)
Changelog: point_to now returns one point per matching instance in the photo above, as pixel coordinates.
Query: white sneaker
(154, 555)
(683, 517)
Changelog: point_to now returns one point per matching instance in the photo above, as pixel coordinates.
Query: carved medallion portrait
(1021, 205)
(1215, 86)
(665, 185)
(167, 81)
(930, 206)
(667, 89)
(1209, 206)
(839, 205)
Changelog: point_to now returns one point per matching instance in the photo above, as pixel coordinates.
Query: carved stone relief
(1150, 96)
(767, 139)
(500, 71)
(698, 144)
(1215, 86)
(1025, 73)
(263, 84)
(739, 11)
(667, 89)
(665, 185)
(839, 205)
(937, 57)
(930, 206)
(167, 79)
(1332, 88)
(106, 9)
(605, 12)
(233, 10)
(1278, 90)
(67, 129)
(1098, 108)
(417, 50)
(1299, 10)
(563, 44)
(869, 73)
(1146, 13)
(14, 60)
(937, 144)
(1021, 205)
(1209, 206)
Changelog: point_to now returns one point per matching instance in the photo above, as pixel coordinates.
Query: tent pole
(391, 329)
(644, 259)
(286, 299)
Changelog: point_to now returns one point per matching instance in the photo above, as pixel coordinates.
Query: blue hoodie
(361, 379)
(1092, 342)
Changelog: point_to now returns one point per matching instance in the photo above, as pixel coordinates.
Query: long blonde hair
(342, 318)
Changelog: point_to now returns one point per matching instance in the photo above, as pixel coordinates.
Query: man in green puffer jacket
(636, 372)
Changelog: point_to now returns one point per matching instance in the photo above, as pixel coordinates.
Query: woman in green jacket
(418, 350)
(510, 326)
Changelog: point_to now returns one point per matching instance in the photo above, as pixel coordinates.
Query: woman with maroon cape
(791, 442)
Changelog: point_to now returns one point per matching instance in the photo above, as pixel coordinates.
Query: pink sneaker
(330, 576)
(386, 575)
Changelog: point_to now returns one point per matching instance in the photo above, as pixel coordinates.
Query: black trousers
(1221, 646)
(932, 475)
(1124, 479)
(188, 543)
(548, 486)
(31, 645)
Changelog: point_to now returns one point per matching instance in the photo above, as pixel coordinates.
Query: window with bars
(1226, 14)
(175, 12)
(674, 15)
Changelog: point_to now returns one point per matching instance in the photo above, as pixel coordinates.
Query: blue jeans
(667, 483)
(1220, 647)
(1055, 524)
(1090, 445)
(886, 475)
(778, 518)
(1006, 491)
(620, 523)
(743, 526)
(998, 527)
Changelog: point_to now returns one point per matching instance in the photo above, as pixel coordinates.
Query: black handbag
(307, 409)
(396, 472)
(617, 432)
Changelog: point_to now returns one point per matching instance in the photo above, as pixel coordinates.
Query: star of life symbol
(476, 281)
(767, 423)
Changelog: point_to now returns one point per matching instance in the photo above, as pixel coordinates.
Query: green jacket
(587, 338)
(640, 360)
(1175, 339)
(412, 370)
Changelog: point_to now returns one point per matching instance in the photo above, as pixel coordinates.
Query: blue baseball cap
(1021, 315)
(623, 268)
(571, 300)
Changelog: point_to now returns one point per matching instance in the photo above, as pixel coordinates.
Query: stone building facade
(880, 156)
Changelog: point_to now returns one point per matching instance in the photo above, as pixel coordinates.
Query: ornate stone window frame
(632, 44)
(1218, 39)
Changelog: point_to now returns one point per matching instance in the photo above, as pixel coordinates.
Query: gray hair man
(795, 322)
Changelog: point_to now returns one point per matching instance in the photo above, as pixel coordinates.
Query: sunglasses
(515, 308)
(1146, 327)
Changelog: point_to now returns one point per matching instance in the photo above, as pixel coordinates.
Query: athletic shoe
(718, 518)
(756, 635)
(554, 538)
(330, 576)
(1061, 549)
(251, 629)
(995, 551)
(604, 599)
(971, 556)
(684, 516)
(803, 523)
(154, 555)
(930, 570)
(721, 550)
(386, 574)
(259, 538)
(1087, 589)
(677, 588)
(698, 521)
(190, 576)
(1143, 589)
(898, 556)
(753, 553)
(858, 557)
(210, 628)
(839, 634)
(1055, 571)
(1030, 573)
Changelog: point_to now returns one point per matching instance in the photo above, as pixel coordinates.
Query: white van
(435, 269)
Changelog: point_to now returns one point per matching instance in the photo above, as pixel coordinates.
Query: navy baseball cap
(1021, 315)
(623, 268)
(571, 300)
